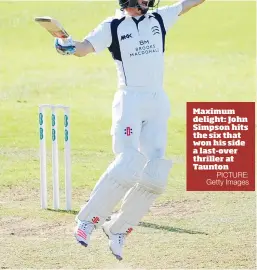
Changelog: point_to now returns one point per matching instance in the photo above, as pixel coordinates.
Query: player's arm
(83, 48)
(188, 4)
(96, 41)
(171, 13)
(71, 47)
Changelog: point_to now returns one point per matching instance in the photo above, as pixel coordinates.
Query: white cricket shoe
(116, 241)
(83, 232)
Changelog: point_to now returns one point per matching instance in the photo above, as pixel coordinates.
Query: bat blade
(52, 26)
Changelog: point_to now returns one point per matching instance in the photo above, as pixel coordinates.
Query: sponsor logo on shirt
(144, 48)
(155, 30)
(123, 37)
(143, 42)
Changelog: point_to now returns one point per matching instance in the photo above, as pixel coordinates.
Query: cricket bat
(52, 26)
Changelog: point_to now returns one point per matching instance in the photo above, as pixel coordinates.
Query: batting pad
(155, 175)
(119, 177)
(139, 199)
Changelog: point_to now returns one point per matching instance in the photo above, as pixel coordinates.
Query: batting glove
(65, 46)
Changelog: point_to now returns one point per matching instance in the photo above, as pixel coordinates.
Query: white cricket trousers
(139, 121)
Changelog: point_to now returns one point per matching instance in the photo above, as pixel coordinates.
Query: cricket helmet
(134, 3)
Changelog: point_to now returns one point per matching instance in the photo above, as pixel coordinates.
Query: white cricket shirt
(137, 45)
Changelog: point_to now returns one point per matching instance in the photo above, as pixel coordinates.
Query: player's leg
(122, 173)
(153, 179)
(153, 138)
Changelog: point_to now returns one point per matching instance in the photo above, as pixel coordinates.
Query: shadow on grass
(141, 224)
(168, 228)
(72, 212)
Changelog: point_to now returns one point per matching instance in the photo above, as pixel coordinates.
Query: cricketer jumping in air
(140, 112)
